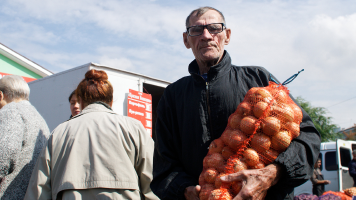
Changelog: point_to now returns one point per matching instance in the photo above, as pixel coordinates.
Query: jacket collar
(215, 71)
(94, 107)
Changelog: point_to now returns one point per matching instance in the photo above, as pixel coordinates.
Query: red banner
(27, 79)
(139, 106)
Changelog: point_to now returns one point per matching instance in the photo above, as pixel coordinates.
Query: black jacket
(352, 170)
(192, 113)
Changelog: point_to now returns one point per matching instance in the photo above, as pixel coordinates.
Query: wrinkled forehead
(210, 16)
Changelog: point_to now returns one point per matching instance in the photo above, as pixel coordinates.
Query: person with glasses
(194, 111)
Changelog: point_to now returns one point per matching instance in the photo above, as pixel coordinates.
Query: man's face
(207, 47)
(354, 156)
(74, 106)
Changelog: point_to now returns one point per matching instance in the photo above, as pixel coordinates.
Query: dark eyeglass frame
(223, 27)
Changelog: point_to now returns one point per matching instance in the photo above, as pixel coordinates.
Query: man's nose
(206, 34)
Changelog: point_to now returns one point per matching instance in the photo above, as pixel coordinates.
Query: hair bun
(96, 75)
(95, 87)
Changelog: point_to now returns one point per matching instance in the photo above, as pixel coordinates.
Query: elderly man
(23, 133)
(194, 111)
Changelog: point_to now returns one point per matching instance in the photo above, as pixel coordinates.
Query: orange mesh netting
(350, 191)
(263, 126)
(340, 194)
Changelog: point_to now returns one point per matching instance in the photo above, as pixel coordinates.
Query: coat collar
(215, 71)
(94, 107)
(15, 104)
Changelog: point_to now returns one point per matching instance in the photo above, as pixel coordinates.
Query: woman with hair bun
(97, 154)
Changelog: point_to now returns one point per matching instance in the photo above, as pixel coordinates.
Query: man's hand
(192, 192)
(255, 182)
(327, 182)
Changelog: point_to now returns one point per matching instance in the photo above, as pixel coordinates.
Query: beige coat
(97, 154)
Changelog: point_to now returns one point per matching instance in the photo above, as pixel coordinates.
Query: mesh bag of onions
(263, 126)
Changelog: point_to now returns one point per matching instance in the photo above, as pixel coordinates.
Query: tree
(322, 123)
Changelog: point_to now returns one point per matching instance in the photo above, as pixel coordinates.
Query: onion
(261, 94)
(206, 191)
(238, 165)
(284, 112)
(271, 126)
(251, 91)
(244, 109)
(269, 156)
(220, 194)
(216, 146)
(293, 128)
(260, 142)
(280, 96)
(281, 141)
(237, 138)
(251, 157)
(213, 161)
(260, 108)
(227, 152)
(259, 165)
(225, 136)
(298, 115)
(247, 124)
(234, 121)
(210, 174)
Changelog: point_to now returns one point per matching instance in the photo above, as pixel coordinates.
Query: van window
(330, 161)
(345, 156)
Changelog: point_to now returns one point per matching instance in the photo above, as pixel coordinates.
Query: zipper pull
(207, 85)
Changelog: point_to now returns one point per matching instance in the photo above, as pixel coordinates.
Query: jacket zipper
(208, 104)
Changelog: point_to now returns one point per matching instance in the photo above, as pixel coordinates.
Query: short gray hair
(14, 87)
(200, 11)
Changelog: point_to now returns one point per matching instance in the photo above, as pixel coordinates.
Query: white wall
(50, 94)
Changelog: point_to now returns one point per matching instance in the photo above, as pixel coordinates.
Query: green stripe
(10, 67)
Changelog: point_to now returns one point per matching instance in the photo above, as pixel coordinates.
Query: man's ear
(2, 100)
(228, 34)
(185, 40)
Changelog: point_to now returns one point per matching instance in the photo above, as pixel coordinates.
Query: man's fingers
(250, 193)
(238, 176)
(192, 192)
(197, 189)
(246, 193)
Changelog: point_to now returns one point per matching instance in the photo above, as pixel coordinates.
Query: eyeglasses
(213, 28)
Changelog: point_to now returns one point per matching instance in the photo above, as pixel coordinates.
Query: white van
(335, 157)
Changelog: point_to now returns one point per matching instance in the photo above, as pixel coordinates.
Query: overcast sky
(145, 36)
